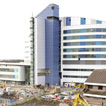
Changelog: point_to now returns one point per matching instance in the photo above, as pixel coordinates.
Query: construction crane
(80, 99)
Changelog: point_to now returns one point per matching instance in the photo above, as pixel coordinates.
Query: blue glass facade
(83, 21)
(68, 21)
(68, 50)
(82, 37)
(82, 49)
(82, 30)
(98, 36)
(51, 43)
(98, 22)
(98, 43)
(82, 43)
(68, 37)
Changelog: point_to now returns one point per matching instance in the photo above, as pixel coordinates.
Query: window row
(85, 50)
(91, 87)
(84, 43)
(78, 69)
(84, 37)
(84, 30)
(7, 70)
(85, 56)
(68, 76)
(7, 76)
(82, 21)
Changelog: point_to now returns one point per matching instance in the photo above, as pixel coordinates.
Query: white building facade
(44, 44)
(83, 48)
(12, 73)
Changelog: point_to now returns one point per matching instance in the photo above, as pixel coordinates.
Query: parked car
(48, 96)
(56, 95)
(70, 92)
(67, 93)
(67, 98)
(60, 97)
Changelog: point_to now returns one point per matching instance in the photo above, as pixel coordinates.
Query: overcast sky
(15, 14)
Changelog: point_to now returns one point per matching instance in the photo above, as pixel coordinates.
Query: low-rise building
(96, 86)
(14, 73)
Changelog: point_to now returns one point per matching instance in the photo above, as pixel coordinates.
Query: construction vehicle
(80, 99)
(77, 86)
(72, 84)
(2, 86)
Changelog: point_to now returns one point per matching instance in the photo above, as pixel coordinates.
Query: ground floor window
(100, 87)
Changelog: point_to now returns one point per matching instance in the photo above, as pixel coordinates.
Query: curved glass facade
(84, 30)
(85, 37)
(84, 43)
(85, 56)
(85, 50)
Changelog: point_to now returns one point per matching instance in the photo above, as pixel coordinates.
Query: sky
(15, 16)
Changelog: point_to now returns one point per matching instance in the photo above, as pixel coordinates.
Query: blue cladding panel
(98, 36)
(82, 49)
(52, 51)
(98, 49)
(98, 22)
(82, 30)
(67, 44)
(68, 50)
(98, 56)
(68, 56)
(68, 31)
(68, 37)
(68, 21)
(98, 43)
(82, 43)
(98, 29)
(83, 21)
(82, 37)
(82, 56)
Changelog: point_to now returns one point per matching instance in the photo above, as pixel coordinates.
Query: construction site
(67, 95)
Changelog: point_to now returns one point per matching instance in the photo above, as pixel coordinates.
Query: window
(100, 87)
(104, 30)
(82, 30)
(7, 70)
(52, 7)
(67, 31)
(82, 43)
(68, 76)
(90, 86)
(82, 37)
(68, 21)
(98, 22)
(7, 76)
(98, 56)
(98, 36)
(77, 69)
(66, 56)
(98, 30)
(68, 37)
(82, 49)
(83, 21)
(68, 50)
(98, 43)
